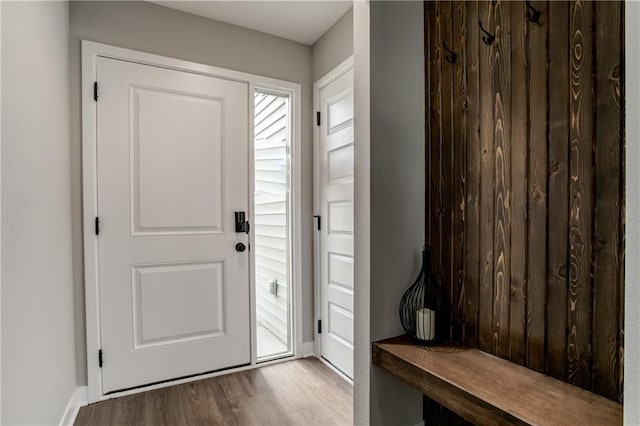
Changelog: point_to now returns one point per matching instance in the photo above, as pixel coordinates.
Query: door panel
(161, 168)
(336, 238)
(198, 288)
(172, 170)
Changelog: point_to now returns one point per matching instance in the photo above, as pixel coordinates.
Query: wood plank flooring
(300, 392)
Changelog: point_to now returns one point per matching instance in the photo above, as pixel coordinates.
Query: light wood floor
(301, 392)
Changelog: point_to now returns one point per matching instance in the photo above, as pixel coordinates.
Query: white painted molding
(90, 52)
(332, 75)
(362, 215)
(308, 349)
(78, 400)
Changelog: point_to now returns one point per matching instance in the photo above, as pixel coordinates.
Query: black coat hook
(533, 14)
(450, 56)
(488, 38)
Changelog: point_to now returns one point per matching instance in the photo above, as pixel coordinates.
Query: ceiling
(301, 21)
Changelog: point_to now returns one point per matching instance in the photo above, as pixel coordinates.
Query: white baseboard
(420, 423)
(79, 398)
(308, 349)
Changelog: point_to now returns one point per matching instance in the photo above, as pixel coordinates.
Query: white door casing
(334, 186)
(172, 168)
(91, 53)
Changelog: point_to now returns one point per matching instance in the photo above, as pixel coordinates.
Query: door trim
(323, 82)
(90, 52)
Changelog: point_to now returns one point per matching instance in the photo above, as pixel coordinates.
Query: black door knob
(240, 247)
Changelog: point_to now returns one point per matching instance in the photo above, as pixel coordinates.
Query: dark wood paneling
(557, 274)
(581, 136)
(501, 73)
(435, 147)
(607, 226)
(449, 122)
(537, 175)
(519, 190)
(459, 155)
(485, 299)
(621, 240)
(427, 124)
(526, 182)
(471, 62)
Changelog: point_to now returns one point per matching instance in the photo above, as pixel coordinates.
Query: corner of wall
(397, 185)
(362, 126)
(77, 400)
(333, 47)
(632, 238)
(37, 305)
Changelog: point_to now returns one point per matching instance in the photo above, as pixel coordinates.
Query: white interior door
(172, 170)
(335, 186)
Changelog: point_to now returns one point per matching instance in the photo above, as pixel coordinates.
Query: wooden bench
(485, 389)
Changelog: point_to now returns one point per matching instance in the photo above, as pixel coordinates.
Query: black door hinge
(319, 326)
(100, 361)
(317, 118)
(95, 91)
(318, 224)
(97, 226)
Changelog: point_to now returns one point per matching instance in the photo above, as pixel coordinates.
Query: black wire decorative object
(423, 307)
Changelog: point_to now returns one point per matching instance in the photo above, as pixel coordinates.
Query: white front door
(335, 186)
(172, 157)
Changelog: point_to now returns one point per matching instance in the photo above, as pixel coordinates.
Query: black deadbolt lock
(240, 247)
(241, 222)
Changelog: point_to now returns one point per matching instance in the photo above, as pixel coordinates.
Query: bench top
(486, 389)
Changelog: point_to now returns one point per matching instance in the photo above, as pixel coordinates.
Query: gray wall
(397, 188)
(632, 289)
(156, 29)
(333, 47)
(362, 204)
(0, 214)
(38, 356)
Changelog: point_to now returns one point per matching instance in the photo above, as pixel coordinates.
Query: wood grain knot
(536, 194)
(562, 272)
(516, 287)
(598, 244)
(576, 238)
(615, 73)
